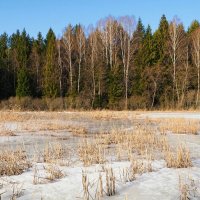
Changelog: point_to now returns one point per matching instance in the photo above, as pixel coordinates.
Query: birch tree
(80, 39)
(69, 45)
(176, 39)
(108, 30)
(60, 66)
(92, 58)
(128, 24)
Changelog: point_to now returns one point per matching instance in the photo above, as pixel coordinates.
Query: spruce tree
(6, 88)
(36, 63)
(147, 51)
(20, 48)
(162, 60)
(194, 25)
(137, 43)
(116, 87)
(50, 86)
(23, 87)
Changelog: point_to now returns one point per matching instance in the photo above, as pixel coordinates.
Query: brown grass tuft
(13, 162)
(179, 159)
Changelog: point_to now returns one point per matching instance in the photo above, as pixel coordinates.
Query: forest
(116, 64)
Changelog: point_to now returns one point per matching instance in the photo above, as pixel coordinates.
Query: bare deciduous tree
(196, 58)
(80, 39)
(176, 40)
(92, 57)
(108, 31)
(127, 28)
(60, 67)
(68, 43)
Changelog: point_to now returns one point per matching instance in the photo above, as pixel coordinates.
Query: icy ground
(160, 184)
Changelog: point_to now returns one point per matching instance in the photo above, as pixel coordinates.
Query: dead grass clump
(53, 152)
(13, 162)
(53, 172)
(179, 126)
(179, 159)
(36, 177)
(110, 182)
(188, 188)
(17, 191)
(141, 142)
(140, 167)
(77, 131)
(45, 127)
(12, 116)
(85, 185)
(106, 184)
(137, 167)
(7, 133)
(107, 115)
(91, 153)
(49, 173)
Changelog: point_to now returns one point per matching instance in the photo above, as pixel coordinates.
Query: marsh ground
(70, 154)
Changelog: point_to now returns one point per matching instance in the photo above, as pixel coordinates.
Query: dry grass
(140, 142)
(137, 167)
(12, 116)
(77, 131)
(53, 152)
(53, 172)
(107, 114)
(7, 133)
(188, 188)
(179, 126)
(138, 146)
(17, 191)
(54, 126)
(179, 159)
(91, 153)
(85, 185)
(110, 182)
(13, 162)
(121, 146)
(106, 184)
(50, 173)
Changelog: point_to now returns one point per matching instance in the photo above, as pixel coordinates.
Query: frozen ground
(161, 183)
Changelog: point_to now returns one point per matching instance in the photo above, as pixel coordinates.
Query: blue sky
(39, 15)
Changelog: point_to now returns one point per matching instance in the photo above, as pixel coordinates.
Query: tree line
(117, 64)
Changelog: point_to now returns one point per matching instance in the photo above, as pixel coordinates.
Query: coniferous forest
(116, 64)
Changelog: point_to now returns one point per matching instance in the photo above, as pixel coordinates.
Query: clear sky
(39, 15)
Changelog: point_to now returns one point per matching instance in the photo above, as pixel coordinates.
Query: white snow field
(64, 134)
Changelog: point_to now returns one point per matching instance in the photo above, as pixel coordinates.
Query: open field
(100, 155)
